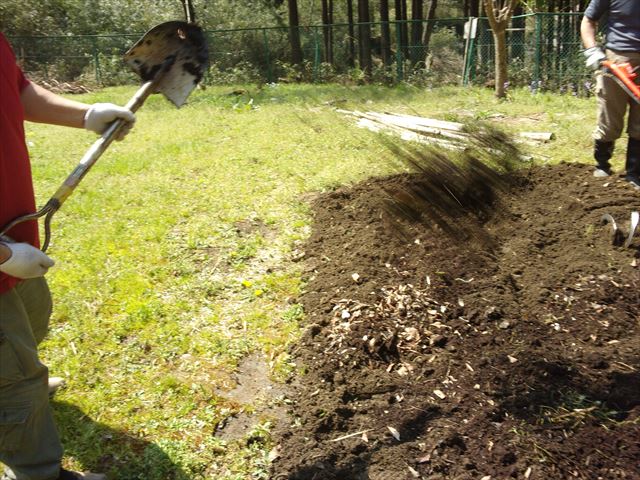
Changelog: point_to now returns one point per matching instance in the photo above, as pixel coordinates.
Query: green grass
(173, 255)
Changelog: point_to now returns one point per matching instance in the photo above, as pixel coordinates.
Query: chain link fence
(544, 53)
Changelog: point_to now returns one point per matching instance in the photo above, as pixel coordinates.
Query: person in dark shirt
(622, 45)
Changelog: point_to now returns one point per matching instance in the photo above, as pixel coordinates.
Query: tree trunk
(500, 42)
(499, 13)
(431, 17)
(327, 30)
(331, 32)
(401, 23)
(364, 37)
(385, 34)
(417, 16)
(351, 60)
(474, 8)
(294, 33)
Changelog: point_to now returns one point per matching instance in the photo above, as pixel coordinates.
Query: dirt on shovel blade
(489, 333)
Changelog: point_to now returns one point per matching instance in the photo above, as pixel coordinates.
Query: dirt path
(510, 354)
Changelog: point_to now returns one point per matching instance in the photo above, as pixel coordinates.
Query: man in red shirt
(29, 444)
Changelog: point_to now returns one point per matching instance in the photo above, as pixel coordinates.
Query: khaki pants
(613, 102)
(29, 443)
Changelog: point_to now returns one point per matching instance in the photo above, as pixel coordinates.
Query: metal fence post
(469, 53)
(316, 54)
(267, 56)
(96, 60)
(399, 69)
(536, 67)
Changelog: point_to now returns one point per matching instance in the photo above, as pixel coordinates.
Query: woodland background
(78, 17)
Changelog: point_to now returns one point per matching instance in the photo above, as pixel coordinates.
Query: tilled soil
(506, 349)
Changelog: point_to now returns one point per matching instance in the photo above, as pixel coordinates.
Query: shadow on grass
(100, 448)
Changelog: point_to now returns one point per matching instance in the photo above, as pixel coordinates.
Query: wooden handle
(98, 148)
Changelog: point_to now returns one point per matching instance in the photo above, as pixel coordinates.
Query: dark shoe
(602, 152)
(69, 475)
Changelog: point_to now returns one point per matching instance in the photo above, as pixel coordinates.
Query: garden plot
(435, 356)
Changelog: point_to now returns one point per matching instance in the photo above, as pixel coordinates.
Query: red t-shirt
(16, 186)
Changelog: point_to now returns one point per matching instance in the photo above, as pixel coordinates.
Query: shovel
(617, 235)
(170, 59)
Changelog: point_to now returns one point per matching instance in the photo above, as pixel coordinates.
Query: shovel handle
(99, 146)
(88, 160)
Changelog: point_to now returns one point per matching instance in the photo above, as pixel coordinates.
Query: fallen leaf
(274, 453)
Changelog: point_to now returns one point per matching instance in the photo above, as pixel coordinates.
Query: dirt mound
(515, 354)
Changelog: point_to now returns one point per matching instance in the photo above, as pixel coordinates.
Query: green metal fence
(544, 53)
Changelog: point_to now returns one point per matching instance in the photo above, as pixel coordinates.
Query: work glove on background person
(25, 261)
(100, 115)
(594, 55)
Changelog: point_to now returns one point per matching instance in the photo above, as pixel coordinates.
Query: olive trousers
(613, 102)
(30, 447)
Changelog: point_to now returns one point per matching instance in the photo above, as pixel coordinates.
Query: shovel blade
(176, 54)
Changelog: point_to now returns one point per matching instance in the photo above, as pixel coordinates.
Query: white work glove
(25, 261)
(100, 115)
(594, 56)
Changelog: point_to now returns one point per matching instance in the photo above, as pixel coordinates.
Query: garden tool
(624, 75)
(170, 59)
(618, 235)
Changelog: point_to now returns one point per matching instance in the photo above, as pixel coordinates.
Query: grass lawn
(174, 255)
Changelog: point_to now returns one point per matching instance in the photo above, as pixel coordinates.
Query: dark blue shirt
(623, 27)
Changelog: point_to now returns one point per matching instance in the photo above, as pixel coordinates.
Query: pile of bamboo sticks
(450, 135)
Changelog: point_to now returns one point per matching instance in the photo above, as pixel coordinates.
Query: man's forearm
(588, 29)
(41, 105)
